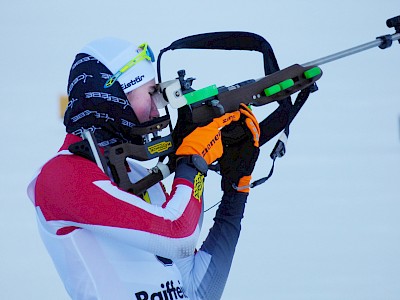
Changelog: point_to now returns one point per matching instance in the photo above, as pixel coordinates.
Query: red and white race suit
(109, 244)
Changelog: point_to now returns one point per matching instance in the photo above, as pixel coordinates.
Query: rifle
(212, 101)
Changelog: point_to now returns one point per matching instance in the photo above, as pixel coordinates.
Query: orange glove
(206, 140)
(241, 150)
(252, 123)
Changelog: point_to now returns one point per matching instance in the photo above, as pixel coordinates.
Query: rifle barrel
(375, 43)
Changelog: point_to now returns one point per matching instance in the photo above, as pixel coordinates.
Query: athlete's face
(142, 103)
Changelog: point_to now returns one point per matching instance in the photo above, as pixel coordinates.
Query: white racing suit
(112, 245)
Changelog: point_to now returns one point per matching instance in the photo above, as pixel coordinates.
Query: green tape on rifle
(286, 84)
(272, 90)
(199, 95)
(312, 72)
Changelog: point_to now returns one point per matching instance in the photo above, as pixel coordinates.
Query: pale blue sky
(326, 225)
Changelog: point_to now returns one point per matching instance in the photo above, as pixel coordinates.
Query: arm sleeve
(206, 272)
(71, 193)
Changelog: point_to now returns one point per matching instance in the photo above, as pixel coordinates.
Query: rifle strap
(280, 146)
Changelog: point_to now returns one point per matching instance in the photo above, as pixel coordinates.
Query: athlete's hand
(240, 151)
(206, 140)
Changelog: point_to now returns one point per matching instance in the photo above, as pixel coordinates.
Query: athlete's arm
(72, 193)
(206, 272)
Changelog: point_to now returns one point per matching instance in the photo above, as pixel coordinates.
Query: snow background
(325, 226)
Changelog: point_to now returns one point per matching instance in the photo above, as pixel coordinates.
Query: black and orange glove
(240, 152)
(205, 141)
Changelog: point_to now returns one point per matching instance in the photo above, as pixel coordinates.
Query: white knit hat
(114, 54)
